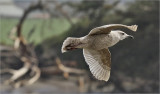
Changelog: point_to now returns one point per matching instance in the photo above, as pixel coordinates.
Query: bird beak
(129, 36)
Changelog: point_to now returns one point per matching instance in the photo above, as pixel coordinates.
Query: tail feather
(70, 41)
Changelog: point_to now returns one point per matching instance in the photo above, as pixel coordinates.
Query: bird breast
(98, 42)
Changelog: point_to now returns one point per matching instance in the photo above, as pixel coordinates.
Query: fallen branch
(27, 55)
(16, 74)
(67, 69)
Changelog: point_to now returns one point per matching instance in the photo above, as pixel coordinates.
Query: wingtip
(106, 79)
(133, 27)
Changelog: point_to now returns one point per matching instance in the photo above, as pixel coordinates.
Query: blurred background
(32, 33)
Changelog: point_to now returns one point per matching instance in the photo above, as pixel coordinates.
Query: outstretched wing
(99, 62)
(107, 28)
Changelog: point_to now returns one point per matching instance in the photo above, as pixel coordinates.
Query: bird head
(122, 35)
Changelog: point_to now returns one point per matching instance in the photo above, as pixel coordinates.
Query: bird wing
(99, 62)
(106, 29)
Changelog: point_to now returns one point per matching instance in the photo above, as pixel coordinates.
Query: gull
(95, 47)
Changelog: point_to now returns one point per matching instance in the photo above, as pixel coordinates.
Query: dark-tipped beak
(131, 37)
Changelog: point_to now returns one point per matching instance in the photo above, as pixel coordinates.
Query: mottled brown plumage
(95, 47)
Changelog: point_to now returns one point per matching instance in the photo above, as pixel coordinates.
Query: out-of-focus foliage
(136, 58)
(41, 29)
(135, 63)
(143, 52)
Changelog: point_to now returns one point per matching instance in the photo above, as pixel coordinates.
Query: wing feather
(106, 29)
(99, 63)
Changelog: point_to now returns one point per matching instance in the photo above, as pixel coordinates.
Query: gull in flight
(95, 47)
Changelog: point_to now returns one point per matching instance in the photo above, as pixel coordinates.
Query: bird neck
(115, 37)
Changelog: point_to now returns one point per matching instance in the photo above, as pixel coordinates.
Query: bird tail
(69, 42)
(133, 27)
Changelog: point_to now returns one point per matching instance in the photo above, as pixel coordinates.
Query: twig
(67, 69)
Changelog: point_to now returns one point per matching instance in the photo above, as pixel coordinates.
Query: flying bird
(95, 47)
